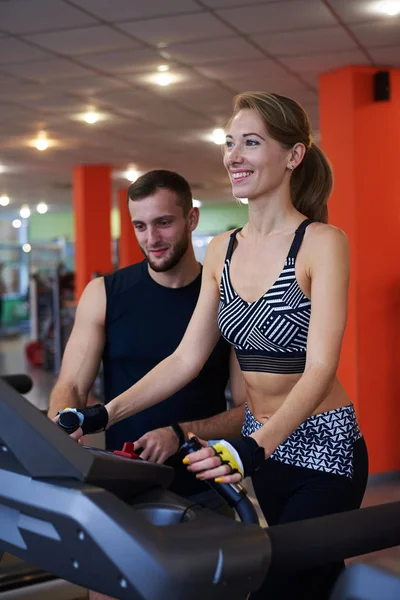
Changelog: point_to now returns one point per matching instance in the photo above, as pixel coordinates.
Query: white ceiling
(57, 57)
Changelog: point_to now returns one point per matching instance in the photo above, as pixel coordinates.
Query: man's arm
(158, 445)
(83, 352)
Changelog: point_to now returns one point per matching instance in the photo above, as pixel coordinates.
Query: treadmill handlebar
(19, 382)
(234, 494)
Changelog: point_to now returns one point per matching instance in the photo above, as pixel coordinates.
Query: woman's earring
(291, 167)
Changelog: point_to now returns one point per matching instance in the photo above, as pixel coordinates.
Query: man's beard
(169, 263)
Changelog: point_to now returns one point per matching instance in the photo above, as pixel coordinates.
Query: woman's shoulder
(217, 249)
(220, 242)
(321, 233)
(326, 241)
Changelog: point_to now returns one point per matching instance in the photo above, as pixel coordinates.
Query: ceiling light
(16, 223)
(390, 7)
(26, 247)
(164, 79)
(91, 117)
(41, 143)
(196, 203)
(131, 175)
(218, 136)
(42, 208)
(25, 212)
(163, 68)
(4, 200)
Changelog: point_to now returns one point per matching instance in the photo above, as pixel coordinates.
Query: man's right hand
(158, 445)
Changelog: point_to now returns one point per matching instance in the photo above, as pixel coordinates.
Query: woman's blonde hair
(287, 123)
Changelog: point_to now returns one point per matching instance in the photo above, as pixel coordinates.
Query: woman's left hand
(205, 464)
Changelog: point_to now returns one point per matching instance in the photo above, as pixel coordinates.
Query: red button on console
(127, 451)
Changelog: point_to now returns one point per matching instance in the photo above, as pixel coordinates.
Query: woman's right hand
(206, 464)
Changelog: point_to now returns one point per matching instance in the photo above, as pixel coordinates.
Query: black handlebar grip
(233, 493)
(21, 383)
(69, 421)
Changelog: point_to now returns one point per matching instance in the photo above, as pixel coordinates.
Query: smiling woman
(263, 128)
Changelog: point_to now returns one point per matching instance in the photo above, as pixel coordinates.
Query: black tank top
(145, 323)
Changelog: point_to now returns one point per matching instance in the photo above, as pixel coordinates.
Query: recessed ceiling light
(131, 174)
(164, 79)
(41, 143)
(25, 212)
(218, 136)
(390, 7)
(91, 117)
(16, 223)
(163, 68)
(4, 200)
(42, 208)
(26, 247)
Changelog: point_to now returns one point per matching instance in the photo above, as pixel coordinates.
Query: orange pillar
(360, 137)
(92, 208)
(129, 251)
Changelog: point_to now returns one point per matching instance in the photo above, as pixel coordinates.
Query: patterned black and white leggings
(321, 469)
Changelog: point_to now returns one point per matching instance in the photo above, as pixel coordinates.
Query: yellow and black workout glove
(243, 455)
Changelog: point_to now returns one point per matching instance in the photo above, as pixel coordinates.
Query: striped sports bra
(270, 334)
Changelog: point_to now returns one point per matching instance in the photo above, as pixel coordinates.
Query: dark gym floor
(381, 489)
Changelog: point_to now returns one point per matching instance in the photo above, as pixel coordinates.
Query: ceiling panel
(325, 62)
(214, 51)
(126, 61)
(28, 16)
(208, 96)
(387, 56)
(286, 85)
(13, 51)
(177, 29)
(308, 41)
(55, 102)
(386, 34)
(48, 70)
(119, 10)
(130, 99)
(89, 85)
(99, 38)
(279, 16)
(10, 86)
(234, 3)
(264, 67)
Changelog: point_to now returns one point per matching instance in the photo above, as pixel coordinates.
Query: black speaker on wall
(381, 86)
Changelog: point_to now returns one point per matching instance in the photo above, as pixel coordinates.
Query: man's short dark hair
(150, 182)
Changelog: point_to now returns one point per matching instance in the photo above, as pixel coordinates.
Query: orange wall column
(129, 251)
(361, 137)
(92, 208)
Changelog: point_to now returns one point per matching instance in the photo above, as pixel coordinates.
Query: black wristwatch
(177, 429)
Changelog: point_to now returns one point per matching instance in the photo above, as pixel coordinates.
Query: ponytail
(311, 184)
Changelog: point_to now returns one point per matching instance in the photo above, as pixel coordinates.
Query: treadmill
(107, 521)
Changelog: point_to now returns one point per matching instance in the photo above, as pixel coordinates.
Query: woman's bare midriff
(267, 392)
